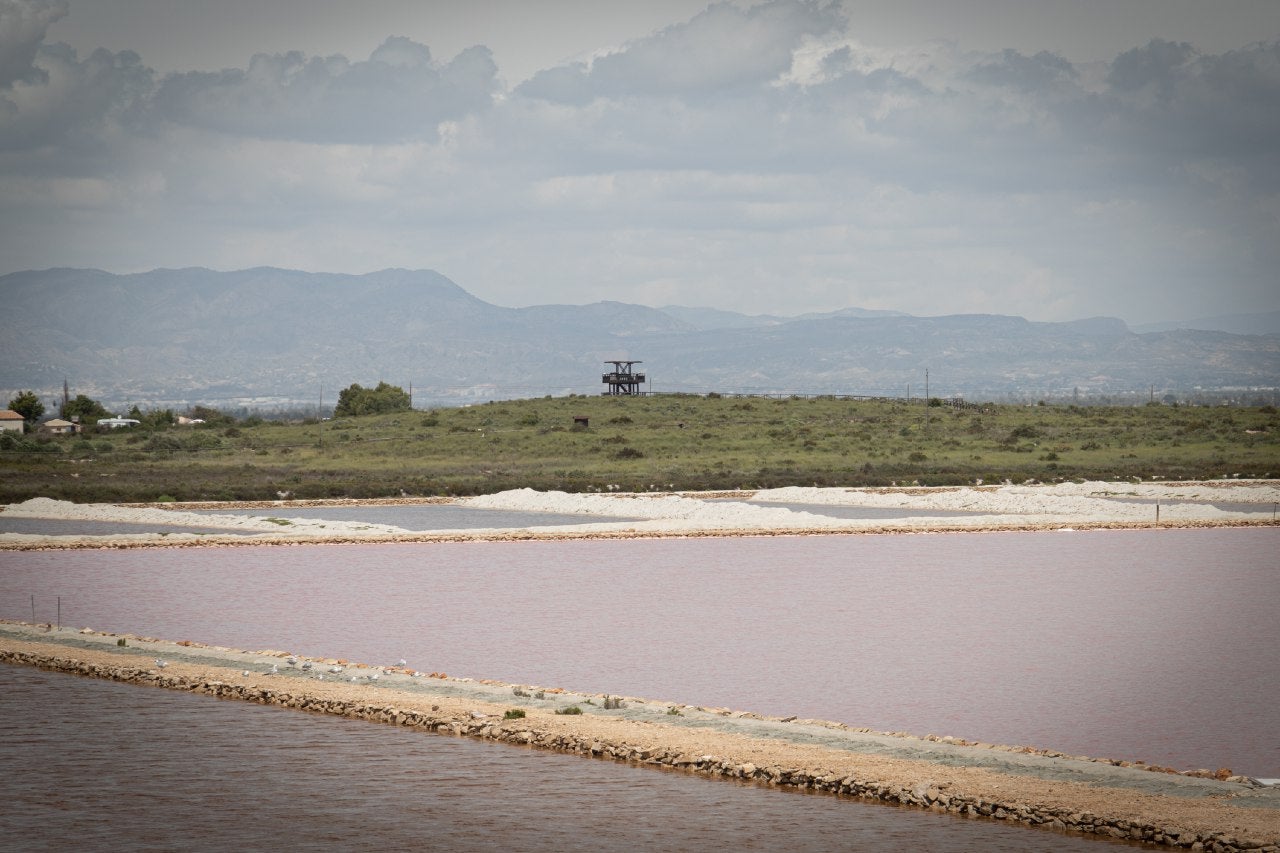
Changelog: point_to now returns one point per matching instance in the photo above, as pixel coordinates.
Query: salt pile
(694, 513)
(55, 509)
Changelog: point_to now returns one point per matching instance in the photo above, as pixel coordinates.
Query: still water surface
(1155, 645)
(93, 765)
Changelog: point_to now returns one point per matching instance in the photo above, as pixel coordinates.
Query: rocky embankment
(1036, 788)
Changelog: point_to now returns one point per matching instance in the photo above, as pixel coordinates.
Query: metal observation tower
(623, 381)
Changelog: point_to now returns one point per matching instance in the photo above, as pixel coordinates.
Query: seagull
(306, 666)
(274, 669)
(161, 663)
(244, 674)
(401, 662)
(373, 677)
(292, 661)
(335, 669)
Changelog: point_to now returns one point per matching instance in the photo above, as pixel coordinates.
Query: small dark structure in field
(623, 381)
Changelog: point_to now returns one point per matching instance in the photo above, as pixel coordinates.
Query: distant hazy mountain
(714, 318)
(270, 335)
(1267, 323)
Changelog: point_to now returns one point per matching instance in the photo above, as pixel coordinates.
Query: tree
(28, 405)
(210, 415)
(153, 418)
(86, 410)
(355, 400)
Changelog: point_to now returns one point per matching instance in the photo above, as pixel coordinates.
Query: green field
(645, 443)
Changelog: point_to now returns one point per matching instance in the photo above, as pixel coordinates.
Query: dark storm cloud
(1025, 72)
(23, 25)
(1169, 99)
(78, 104)
(399, 93)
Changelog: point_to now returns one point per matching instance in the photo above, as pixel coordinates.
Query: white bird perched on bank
(402, 662)
(306, 666)
(244, 674)
(292, 661)
(335, 669)
(374, 676)
(274, 670)
(161, 663)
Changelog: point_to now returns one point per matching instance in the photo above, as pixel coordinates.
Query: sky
(1056, 159)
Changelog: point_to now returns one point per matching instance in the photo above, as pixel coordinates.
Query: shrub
(355, 400)
(572, 709)
(514, 714)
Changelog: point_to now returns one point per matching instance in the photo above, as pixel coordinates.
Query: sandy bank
(1059, 506)
(1034, 787)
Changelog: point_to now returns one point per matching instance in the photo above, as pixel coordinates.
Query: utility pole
(320, 417)
(926, 398)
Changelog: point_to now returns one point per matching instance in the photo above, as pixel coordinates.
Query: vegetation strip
(1197, 821)
(637, 444)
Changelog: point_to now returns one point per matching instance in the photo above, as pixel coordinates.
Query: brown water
(93, 765)
(1154, 645)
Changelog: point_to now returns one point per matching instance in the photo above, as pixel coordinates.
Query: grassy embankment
(643, 443)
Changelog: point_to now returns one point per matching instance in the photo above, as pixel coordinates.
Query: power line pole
(926, 398)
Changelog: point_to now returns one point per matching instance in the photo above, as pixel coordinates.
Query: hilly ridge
(266, 332)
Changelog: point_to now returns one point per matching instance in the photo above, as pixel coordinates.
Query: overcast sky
(1057, 159)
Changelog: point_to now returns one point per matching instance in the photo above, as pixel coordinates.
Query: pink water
(94, 765)
(1155, 645)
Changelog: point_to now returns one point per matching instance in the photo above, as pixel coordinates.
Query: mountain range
(272, 336)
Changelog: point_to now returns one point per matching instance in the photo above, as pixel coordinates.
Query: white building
(116, 423)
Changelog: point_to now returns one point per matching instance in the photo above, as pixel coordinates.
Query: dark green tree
(355, 400)
(87, 410)
(28, 405)
(153, 418)
(210, 415)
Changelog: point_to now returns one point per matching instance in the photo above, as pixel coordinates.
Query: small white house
(12, 421)
(116, 423)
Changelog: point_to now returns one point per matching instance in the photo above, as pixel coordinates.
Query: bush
(571, 710)
(514, 714)
(354, 400)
